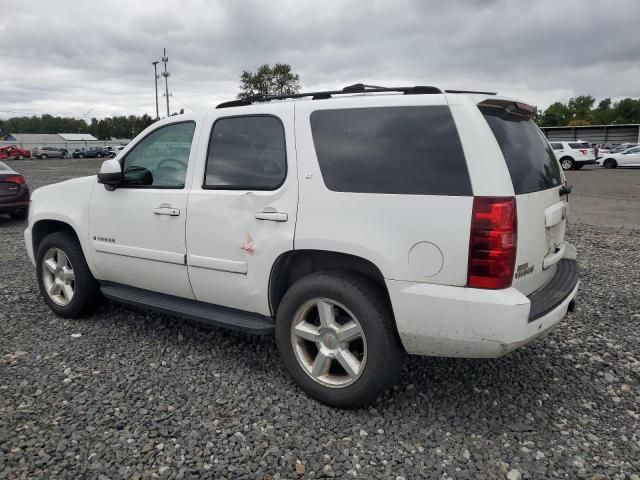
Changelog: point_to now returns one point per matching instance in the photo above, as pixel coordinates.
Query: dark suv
(90, 153)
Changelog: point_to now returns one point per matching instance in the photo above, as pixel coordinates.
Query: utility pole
(155, 76)
(166, 74)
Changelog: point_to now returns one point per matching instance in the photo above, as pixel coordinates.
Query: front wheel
(336, 335)
(43, 157)
(567, 163)
(65, 281)
(20, 157)
(99, 155)
(610, 163)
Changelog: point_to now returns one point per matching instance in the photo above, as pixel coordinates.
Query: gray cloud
(71, 58)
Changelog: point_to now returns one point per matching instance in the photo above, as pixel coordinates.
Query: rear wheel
(610, 163)
(65, 281)
(336, 335)
(567, 163)
(20, 157)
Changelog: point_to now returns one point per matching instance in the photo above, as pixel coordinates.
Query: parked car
(14, 193)
(93, 152)
(50, 152)
(357, 230)
(573, 155)
(13, 152)
(629, 158)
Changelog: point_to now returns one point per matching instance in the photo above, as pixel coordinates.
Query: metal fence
(600, 134)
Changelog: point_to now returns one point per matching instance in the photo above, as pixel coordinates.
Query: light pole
(155, 77)
(166, 74)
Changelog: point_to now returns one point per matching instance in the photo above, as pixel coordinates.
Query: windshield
(531, 161)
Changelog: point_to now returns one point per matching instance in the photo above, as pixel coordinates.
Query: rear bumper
(451, 321)
(19, 201)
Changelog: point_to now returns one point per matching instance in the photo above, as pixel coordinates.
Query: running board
(191, 309)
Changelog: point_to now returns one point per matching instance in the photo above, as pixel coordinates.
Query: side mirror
(110, 174)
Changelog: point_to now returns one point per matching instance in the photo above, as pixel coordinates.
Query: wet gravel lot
(128, 394)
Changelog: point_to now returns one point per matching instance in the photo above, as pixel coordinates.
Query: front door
(137, 231)
(631, 158)
(242, 208)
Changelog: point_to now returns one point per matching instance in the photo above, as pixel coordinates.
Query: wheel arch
(295, 264)
(45, 227)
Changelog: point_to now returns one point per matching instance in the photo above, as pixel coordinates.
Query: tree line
(581, 110)
(103, 129)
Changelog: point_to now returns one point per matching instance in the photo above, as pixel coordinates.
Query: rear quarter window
(393, 150)
(579, 146)
(530, 160)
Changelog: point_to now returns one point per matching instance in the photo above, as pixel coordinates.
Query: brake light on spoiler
(493, 241)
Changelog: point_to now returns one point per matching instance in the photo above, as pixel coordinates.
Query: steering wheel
(171, 167)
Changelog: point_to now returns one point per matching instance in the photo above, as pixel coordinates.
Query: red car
(14, 193)
(12, 152)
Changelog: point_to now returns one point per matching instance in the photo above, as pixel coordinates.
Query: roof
(357, 88)
(77, 136)
(34, 138)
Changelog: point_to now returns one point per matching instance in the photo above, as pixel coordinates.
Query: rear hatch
(583, 151)
(537, 182)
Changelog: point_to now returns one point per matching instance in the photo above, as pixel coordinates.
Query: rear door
(537, 180)
(243, 205)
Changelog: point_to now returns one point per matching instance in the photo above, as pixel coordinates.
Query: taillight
(584, 152)
(19, 179)
(492, 246)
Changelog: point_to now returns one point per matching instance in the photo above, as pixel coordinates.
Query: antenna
(166, 75)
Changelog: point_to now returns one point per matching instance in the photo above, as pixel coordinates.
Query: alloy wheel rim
(329, 342)
(58, 276)
(566, 165)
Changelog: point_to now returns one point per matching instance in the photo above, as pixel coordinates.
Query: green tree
(555, 115)
(626, 110)
(580, 107)
(603, 114)
(276, 80)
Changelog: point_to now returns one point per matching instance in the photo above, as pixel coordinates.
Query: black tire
(98, 155)
(43, 157)
(20, 215)
(567, 163)
(87, 296)
(370, 306)
(610, 163)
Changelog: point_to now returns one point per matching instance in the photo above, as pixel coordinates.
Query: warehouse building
(599, 134)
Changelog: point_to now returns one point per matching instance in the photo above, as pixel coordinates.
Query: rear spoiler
(512, 106)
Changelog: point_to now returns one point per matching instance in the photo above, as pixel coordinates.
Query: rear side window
(402, 150)
(246, 153)
(530, 160)
(556, 146)
(579, 146)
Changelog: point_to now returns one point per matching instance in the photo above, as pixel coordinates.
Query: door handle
(165, 209)
(272, 215)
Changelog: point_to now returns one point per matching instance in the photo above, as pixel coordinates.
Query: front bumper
(447, 321)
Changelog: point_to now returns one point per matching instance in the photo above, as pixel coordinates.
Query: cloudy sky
(90, 58)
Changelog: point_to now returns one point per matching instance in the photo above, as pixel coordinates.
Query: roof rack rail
(350, 89)
(470, 91)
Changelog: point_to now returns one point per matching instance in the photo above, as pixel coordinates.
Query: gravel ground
(128, 394)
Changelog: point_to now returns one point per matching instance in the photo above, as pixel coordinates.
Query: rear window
(401, 150)
(530, 160)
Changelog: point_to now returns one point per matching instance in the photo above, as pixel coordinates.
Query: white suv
(573, 155)
(357, 225)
